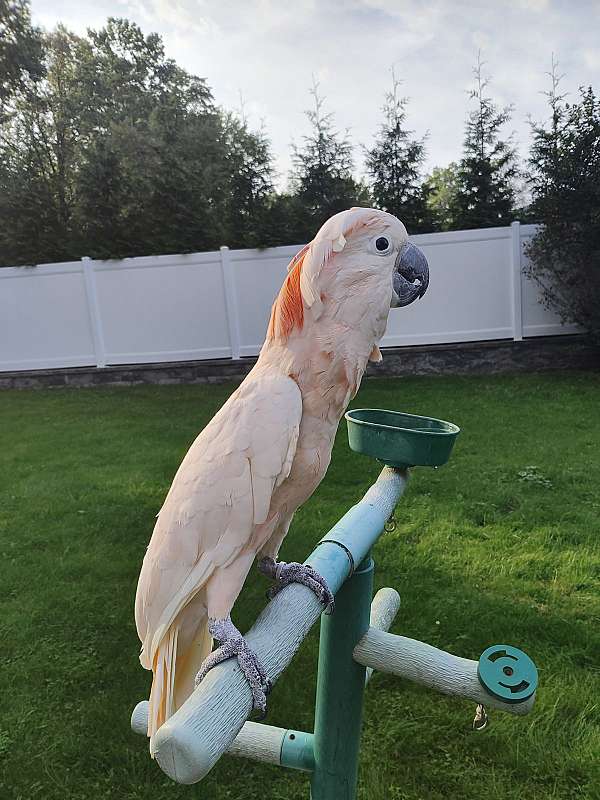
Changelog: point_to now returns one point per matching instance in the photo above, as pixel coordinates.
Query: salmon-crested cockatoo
(265, 452)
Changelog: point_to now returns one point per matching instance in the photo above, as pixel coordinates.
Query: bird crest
(300, 288)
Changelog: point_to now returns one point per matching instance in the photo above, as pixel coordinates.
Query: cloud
(173, 15)
(268, 50)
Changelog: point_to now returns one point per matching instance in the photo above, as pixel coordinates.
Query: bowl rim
(454, 429)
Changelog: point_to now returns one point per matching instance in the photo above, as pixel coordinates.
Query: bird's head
(360, 261)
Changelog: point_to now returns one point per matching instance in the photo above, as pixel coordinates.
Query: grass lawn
(502, 545)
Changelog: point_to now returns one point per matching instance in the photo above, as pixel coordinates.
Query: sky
(264, 55)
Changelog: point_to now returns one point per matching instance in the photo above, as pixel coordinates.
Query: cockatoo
(265, 452)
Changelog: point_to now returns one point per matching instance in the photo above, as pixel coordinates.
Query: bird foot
(232, 643)
(293, 572)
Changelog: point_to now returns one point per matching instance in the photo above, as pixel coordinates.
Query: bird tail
(174, 673)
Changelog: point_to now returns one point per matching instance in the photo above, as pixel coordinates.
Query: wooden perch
(189, 744)
(424, 664)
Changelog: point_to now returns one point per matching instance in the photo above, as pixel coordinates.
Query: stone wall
(477, 358)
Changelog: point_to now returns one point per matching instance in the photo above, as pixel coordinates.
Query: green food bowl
(400, 440)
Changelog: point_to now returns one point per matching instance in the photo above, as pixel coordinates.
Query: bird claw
(234, 644)
(293, 572)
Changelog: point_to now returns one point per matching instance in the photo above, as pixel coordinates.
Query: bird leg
(232, 643)
(293, 572)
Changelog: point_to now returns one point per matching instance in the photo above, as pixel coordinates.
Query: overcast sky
(267, 51)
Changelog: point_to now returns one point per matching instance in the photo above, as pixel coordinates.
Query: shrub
(565, 179)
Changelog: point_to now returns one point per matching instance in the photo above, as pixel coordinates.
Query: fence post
(89, 278)
(230, 302)
(516, 280)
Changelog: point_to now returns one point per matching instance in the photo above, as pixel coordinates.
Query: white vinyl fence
(217, 305)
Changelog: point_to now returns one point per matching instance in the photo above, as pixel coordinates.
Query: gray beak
(411, 275)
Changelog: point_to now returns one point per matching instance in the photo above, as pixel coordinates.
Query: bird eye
(382, 245)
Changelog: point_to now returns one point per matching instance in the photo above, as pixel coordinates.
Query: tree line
(109, 149)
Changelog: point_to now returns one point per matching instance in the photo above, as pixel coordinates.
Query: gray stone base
(487, 358)
(477, 358)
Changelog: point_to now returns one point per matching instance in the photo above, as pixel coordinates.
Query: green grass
(500, 545)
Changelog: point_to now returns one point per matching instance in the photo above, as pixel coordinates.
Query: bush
(565, 177)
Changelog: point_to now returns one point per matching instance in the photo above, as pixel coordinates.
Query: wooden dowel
(424, 664)
(190, 743)
(384, 608)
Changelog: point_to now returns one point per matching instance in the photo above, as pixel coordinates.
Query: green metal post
(340, 687)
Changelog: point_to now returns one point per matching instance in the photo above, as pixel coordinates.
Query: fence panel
(469, 296)
(537, 320)
(217, 305)
(163, 308)
(44, 318)
(258, 276)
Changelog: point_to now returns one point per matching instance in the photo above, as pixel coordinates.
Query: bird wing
(222, 489)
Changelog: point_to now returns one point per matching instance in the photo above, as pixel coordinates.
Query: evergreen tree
(250, 179)
(441, 187)
(321, 178)
(285, 221)
(546, 175)
(394, 166)
(488, 167)
(565, 182)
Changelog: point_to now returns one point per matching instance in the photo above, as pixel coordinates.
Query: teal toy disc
(507, 673)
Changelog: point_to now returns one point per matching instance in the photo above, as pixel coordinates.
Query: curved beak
(411, 276)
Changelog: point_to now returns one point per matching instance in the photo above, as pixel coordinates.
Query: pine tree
(394, 166)
(321, 178)
(545, 159)
(488, 168)
(441, 187)
(250, 179)
(564, 178)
